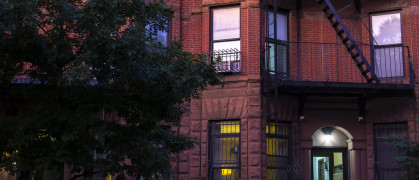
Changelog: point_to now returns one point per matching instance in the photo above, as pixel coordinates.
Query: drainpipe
(180, 39)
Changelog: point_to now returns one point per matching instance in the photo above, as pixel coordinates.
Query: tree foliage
(410, 160)
(89, 60)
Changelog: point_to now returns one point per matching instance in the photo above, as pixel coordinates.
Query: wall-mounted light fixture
(327, 131)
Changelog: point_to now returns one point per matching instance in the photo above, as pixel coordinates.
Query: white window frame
(388, 57)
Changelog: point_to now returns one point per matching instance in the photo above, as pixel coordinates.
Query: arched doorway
(329, 155)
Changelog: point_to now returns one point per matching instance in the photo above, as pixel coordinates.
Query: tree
(81, 62)
(410, 160)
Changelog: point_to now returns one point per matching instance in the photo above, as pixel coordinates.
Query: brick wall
(241, 98)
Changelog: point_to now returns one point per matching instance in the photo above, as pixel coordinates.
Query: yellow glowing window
(270, 143)
(276, 146)
(225, 172)
(277, 128)
(230, 128)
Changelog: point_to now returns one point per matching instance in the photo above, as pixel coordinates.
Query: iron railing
(385, 164)
(226, 60)
(331, 62)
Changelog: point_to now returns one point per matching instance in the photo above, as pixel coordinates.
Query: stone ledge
(218, 2)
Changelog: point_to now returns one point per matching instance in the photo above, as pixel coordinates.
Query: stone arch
(332, 136)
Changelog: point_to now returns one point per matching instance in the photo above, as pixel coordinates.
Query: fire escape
(345, 69)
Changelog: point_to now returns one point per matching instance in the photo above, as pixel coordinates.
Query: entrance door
(329, 164)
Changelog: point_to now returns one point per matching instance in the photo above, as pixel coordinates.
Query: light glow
(328, 137)
(225, 172)
(230, 128)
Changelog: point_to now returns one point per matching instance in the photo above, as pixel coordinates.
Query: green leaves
(103, 87)
(410, 161)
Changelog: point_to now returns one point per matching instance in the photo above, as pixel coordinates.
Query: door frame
(343, 150)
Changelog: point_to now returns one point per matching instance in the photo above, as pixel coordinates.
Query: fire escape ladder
(348, 41)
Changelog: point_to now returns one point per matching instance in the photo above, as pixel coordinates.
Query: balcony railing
(331, 62)
(226, 60)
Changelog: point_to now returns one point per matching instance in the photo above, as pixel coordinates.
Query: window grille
(224, 150)
(386, 166)
(278, 151)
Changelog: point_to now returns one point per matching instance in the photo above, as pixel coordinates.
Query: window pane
(162, 37)
(281, 62)
(386, 29)
(385, 153)
(277, 148)
(226, 45)
(281, 26)
(225, 174)
(224, 150)
(226, 23)
(389, 62)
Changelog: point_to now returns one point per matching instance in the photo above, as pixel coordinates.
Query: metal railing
(331, 62)
(286, 171)
(226, 60)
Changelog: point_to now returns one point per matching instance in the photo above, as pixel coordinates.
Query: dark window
(276, 34)
(278, 151)
(387, 44)
(386, 166)
(226, 38)
(224, 150)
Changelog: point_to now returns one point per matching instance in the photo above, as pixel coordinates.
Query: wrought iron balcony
(226, 60)
(330, 62)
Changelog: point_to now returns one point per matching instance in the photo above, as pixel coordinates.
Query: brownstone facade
(357, 112)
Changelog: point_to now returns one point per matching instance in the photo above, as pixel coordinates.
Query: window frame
(375, 127)
(279, 137)
(219, 136)
(168, 32)
(387, 46)
(276, 42)
(211, 29)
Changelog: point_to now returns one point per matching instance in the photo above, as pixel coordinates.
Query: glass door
(329, 164)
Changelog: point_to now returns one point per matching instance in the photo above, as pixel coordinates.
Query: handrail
(331, 62)
(226, 60)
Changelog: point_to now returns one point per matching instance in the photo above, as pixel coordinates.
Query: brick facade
(243, 97)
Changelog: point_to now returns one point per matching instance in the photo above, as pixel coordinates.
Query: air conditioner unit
(235, 66)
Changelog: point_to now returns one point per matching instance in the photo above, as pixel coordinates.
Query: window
(162, 36)
(276, 34)
(387, 45)
(226, 38)
(386, 166)
(224, 150)
(277, 151)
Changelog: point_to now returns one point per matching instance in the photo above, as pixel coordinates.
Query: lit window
(277, 151)
(226, 38)
(224, 155)
(387, 41)
(276, 33)
(226, 28)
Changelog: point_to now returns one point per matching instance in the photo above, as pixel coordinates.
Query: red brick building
(301, 100)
